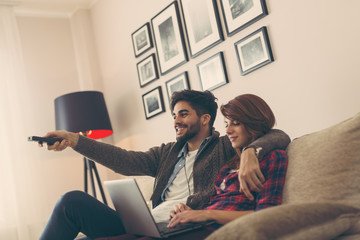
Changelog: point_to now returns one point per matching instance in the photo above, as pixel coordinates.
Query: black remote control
(49, 141)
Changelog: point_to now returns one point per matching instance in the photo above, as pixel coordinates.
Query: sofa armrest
(292, 221)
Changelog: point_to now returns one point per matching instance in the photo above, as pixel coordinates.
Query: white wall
(57, 63)
(312, 84)
(51, 71)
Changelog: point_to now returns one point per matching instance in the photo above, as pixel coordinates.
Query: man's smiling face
(186, 121)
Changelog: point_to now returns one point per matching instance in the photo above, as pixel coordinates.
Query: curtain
(21, 191)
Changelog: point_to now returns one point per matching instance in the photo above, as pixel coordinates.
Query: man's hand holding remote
(70, 139)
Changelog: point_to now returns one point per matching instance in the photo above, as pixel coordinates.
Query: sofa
(321, 197)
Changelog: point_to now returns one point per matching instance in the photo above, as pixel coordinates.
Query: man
(184, 170)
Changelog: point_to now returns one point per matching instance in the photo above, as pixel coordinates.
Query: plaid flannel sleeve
(273, 166)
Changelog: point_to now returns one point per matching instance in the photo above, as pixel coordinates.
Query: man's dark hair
(201, 102)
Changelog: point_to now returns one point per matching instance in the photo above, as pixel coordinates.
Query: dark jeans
(76, 212)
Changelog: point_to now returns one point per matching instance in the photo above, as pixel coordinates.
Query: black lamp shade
(83, 112)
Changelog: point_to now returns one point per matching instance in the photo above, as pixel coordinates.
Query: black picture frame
(212, 72)
(169, 39)
(142, 40)
(239, 14)
(254, 51)
(147, 70)
(153, 102)
(202, 25)
(178, 83)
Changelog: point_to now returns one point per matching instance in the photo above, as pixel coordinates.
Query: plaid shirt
(227, 197)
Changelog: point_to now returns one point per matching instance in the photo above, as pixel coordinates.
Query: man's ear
(205, 119)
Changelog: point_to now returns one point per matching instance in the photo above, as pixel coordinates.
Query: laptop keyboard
(164, 229)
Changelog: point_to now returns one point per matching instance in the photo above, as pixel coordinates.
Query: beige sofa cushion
(325, 166)
(316, 221)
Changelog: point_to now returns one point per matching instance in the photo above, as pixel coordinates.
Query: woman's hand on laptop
(69, 140)
(189, 215)
(178, 208)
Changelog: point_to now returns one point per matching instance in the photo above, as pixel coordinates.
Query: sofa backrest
(325, 165)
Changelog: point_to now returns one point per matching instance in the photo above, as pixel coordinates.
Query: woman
(247, 118)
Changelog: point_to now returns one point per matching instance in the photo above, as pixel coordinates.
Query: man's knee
(70, 200)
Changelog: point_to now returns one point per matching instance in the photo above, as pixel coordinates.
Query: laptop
(135, 214)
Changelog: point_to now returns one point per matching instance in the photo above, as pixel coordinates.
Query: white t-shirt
(178, 191)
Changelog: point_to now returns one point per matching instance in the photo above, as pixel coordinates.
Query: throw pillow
(325, 165)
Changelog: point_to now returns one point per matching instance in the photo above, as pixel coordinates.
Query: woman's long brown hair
(251, 111)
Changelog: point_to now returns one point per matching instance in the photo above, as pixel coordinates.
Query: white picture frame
(212, 72)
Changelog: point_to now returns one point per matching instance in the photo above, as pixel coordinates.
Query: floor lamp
(85, 113)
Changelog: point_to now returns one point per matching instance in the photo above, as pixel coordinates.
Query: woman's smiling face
(237, 133)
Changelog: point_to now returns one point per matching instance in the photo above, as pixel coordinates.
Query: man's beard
(191, 132)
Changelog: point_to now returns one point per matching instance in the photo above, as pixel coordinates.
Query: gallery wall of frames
(199, 24)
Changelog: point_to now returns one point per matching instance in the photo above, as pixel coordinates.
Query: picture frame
(169, 39)
(147, 70)
(142, 40)
(153, 102)
(238, 14)
(254, 51)
(212, 72)
(177, 83)
(202, 25)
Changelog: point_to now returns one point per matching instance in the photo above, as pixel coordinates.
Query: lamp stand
(89, 166)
